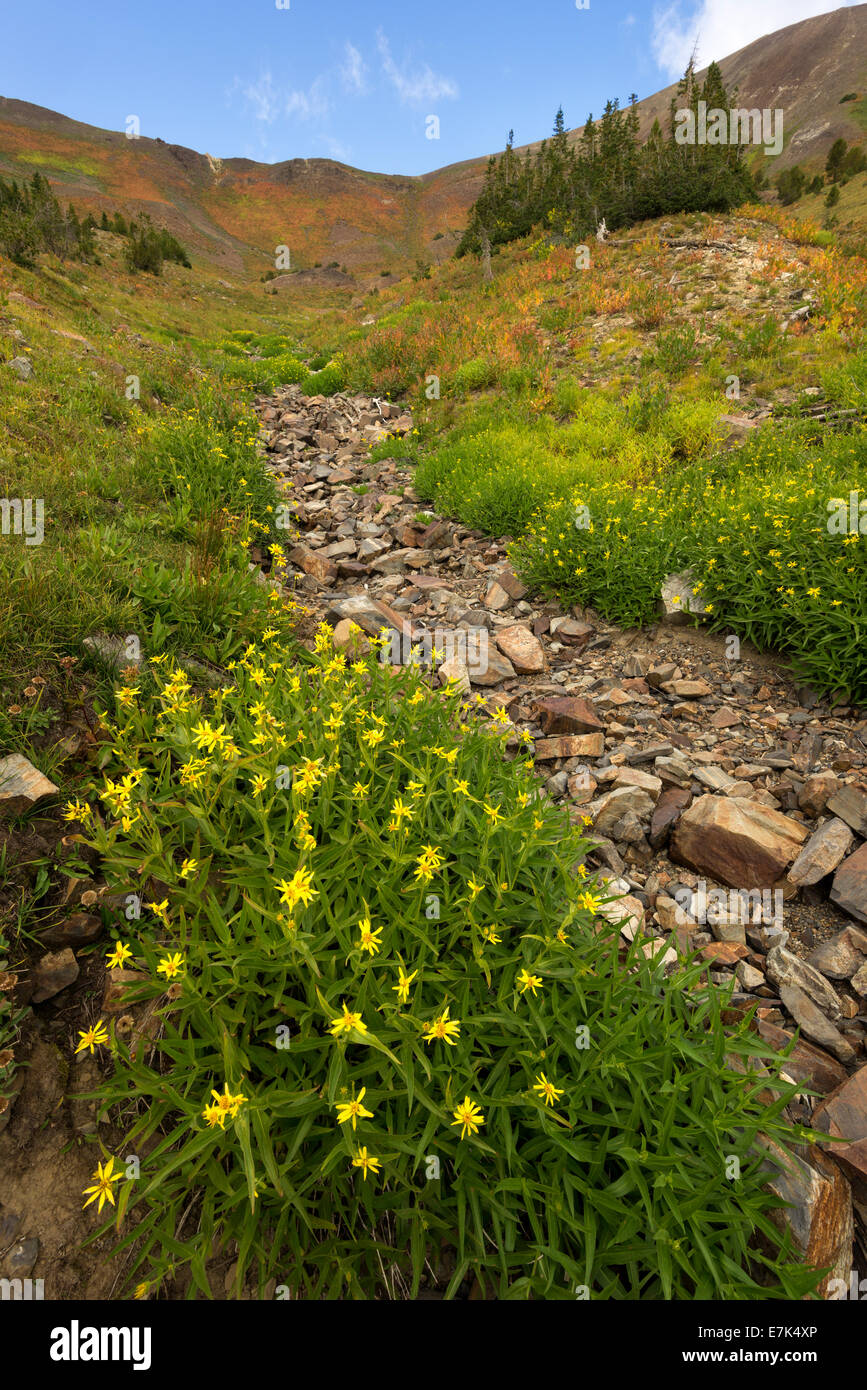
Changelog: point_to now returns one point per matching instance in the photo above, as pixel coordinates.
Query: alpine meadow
(433, 670)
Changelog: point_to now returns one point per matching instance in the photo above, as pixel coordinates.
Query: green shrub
(676, 351)
(267, 373)
(395, 1041)
(205, 459)
(751, 525)
(207, 609)
(327, 381)
(473, 376)
(846, 384)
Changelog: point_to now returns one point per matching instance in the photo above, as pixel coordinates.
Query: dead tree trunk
(487, 272)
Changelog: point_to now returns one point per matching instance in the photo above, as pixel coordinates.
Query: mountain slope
(234, 212)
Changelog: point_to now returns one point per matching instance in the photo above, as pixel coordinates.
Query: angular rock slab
(822, 853)
(737, 842)
(52, 973)
(813, 1023)
(805, 1063)
(21, 785)
(843, 1114)
(525, 651)
(819, 1215)
(842, 956)
(615, 805)
(785, 968)
(849, 889)
(568, 714)
(850, 804)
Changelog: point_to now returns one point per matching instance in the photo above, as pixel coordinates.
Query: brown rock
(724, 952)
(724, 719)
(53, 973)
(509, 581)
(571, 632)
(785, 968)
(814, 1024)
(318, 566)
(344, 639)
(615, 805)
(570, 746)
(814, 794)
(843, 1115)
(407, 535)
(491, 669)
(398, 560)
(370, 614)
(615, 698)
(674, 770)
(658, 675)
(736, 842)
(568, 715)
(687, 690)
(435, 533)
(859, 980)
(805, 1062)
(818, 1213)
(522, 649)
(634, 777)
(496, 598)
(118, 984)
(80, 930)
(850, 804)
(849, 889)
(455, 670)
(842, 956)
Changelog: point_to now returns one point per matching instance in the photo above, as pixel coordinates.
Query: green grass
(63, 163)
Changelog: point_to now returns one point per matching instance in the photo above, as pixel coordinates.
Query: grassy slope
(562, 388)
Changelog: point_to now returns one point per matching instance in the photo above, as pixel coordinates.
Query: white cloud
(353, 70)
(309, 105)
(262, 96)
(335, 148)
(417, 88)
(268, 101)
(721, 27)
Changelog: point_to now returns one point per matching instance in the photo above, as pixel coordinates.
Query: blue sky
(356, 81)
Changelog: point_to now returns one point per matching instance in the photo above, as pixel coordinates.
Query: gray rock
(842, 956)
(21, 1258)
(678, 600)
(52, 973)
(21, 785)
(822, 853)
(787, 971)
(814, 1024)
(118, 652)
(613, 807)
(850, 804)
